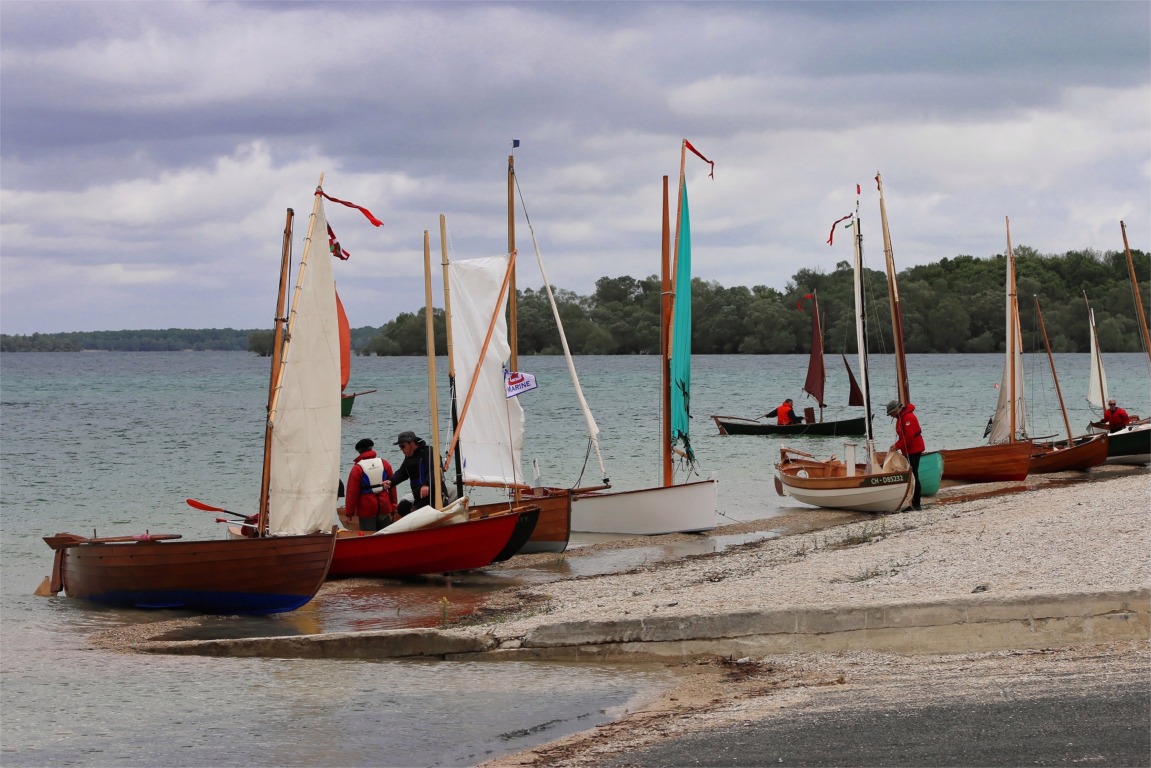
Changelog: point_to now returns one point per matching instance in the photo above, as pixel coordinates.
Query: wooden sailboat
(347, 400)
(283, 566)
(1006, 457)
(1073, 453)
(863, 486)
(441, 537)
(1132, 444)
(814, 386)
(669, 507)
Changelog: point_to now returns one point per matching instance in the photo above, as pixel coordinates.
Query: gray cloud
(149, 149)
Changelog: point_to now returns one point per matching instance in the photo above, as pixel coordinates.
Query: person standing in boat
(910, 441)
(418, 468)
(1114, 418)
(785, 413)
(369, 496)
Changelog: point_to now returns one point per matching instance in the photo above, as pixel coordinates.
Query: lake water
(114, 443)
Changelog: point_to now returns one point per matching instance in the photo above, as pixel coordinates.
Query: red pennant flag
(831, 237)
(799, 305)
(375, 222)
(857, 189)
(334, 245)
(687, 144)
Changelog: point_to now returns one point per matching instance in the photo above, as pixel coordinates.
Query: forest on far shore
(954, 305)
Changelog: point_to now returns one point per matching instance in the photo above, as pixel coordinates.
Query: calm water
(114, 442)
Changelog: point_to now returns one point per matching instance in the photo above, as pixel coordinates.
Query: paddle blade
(203, 506)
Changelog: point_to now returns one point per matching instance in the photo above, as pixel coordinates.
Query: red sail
(345, 344)
(816, 375)
(856, 396)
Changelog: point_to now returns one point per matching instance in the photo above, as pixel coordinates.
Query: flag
(335, 247)
(858, 190)
(517, 383)
(515, 143)
(375, 222)
(687, 144)
(831, 237)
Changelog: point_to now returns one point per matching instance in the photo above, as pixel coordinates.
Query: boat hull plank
(987, 463)
(1080, 456)
(735, 425)
(249, 576)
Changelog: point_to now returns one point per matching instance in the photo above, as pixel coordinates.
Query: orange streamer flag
(687, 144)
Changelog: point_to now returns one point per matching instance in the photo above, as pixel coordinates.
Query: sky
(149, 151)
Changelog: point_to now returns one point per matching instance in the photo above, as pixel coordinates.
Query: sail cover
(305, 464)
(1097, 383)
(681, 334)
(492, 428)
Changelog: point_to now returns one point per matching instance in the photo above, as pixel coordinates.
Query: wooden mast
(665, 339)
(429, 330)
(274, 378)
(902, 385)
(1012, 328)
(1051, 361)
(451, 355)
(1144, 334)
(513, 328)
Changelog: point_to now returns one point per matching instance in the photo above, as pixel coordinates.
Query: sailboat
(1009, 422)
(1132, 444)
(1073, 453)
(864, 486)
(669, 507)
(283, 565)
(441, 537)
(346, 400)
(814, 386)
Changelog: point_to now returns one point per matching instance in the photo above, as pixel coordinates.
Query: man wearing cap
(418, 468)
(910, 440)
(368, 496)
(1114, 418)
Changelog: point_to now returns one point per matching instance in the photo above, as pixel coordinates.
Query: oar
(209, 508)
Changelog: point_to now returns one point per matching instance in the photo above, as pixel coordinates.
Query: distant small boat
(814, 386)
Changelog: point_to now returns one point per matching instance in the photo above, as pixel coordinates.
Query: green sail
(681, 335)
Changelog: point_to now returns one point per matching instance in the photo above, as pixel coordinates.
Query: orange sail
(345, 345)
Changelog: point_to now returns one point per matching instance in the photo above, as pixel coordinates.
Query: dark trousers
(374, 523)
(913, 460)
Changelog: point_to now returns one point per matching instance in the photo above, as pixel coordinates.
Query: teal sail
(681, 335)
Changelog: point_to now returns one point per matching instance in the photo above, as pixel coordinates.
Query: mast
(451, 355)
(513, 329)
(1051, 361)
(901, 378)
(1012, 327)
(277, 354)
(861, 334)
(665, 340)
(1144, 334)
(433, 405)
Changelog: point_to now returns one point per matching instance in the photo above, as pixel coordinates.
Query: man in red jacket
(366, 497)
(1114, 418)
(910, 440)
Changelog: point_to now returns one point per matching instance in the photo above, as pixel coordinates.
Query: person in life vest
(419, 468)
(785, 413)
(1114, 418)
(910, 440)
(368, 496)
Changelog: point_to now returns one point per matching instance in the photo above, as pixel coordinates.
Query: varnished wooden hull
(1059, 457)
(736, 425)
(439, 549)
(987, 463)
(826, 484)
(227, 576)
(553, 529)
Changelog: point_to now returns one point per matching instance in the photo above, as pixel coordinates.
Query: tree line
(954, 305)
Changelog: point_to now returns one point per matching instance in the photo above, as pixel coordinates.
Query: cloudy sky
(149, 150)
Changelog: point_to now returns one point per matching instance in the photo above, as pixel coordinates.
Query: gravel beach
(1062, 534)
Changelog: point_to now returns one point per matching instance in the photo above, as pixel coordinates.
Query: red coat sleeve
(352, 492)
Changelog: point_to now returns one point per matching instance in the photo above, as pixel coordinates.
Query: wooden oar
(209, 508)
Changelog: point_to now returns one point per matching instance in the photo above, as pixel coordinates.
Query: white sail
(1097, 384)
(305, 463)
(492, 431)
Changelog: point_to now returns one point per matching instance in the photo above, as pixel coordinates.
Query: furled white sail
(492, 428)
(305, 463)
(1011, 384)
(1097, 384)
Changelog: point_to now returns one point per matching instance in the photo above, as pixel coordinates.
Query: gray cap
(407, 437)
(893, 407)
